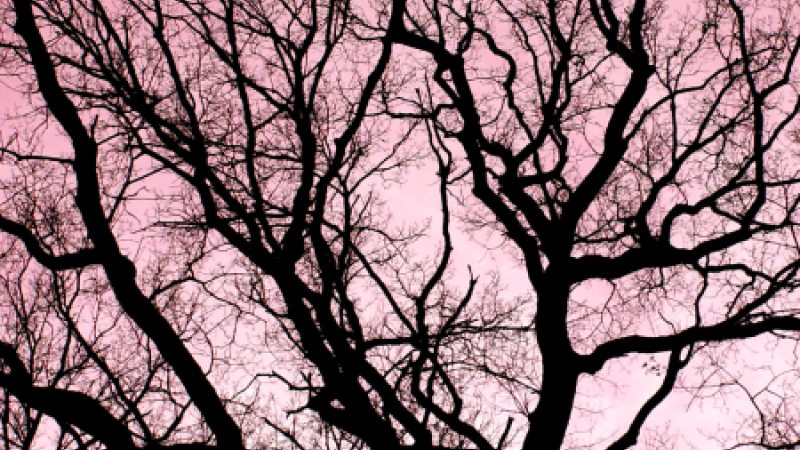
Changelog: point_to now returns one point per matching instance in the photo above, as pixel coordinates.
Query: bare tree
(204, 246)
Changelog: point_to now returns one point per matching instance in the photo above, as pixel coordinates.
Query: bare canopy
(252, 224)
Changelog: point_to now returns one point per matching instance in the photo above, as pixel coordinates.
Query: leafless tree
(206, 242)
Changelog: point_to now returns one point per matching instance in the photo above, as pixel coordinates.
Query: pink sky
(606, 402)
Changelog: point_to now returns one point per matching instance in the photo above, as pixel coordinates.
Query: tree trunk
(548, 422)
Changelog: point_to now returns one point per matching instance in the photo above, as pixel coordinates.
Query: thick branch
(724, 331)
(629, 439)
(81, 258)
(64, 406)
(120, 270)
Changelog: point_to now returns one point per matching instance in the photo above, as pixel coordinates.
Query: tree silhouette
(204, 246)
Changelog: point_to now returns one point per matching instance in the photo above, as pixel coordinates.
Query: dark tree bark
(204, 238)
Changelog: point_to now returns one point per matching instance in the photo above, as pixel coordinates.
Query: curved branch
(81, 258)
(728, 330)
(62, 405)
(676, 363)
